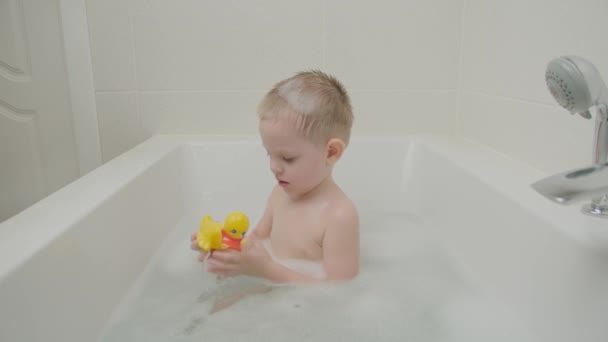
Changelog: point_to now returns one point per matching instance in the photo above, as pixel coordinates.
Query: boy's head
(305, 124)
(316, 103)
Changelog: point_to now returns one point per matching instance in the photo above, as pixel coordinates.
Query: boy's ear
(335, 148)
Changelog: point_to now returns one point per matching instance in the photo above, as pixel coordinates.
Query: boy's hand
(194, 245)
(253, 260)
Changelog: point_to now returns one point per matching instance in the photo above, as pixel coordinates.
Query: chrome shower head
(575, 84)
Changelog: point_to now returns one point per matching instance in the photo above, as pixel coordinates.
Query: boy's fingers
(202, 256)
(225, 256)
(194, 245)
(218, 268)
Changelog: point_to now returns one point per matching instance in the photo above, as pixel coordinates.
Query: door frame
(79, 67)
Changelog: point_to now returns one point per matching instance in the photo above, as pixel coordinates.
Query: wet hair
(317, 103)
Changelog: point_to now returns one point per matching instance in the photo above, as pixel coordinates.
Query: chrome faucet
(577, 86)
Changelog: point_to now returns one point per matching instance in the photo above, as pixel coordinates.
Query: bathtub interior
(450, 235)
(546, 262)
(88, 247)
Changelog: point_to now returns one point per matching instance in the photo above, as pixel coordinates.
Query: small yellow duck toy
(214, 235)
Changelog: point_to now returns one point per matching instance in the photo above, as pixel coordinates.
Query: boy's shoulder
(341, 211)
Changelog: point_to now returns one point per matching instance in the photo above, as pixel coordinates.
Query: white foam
(407, 289)
(312, 268)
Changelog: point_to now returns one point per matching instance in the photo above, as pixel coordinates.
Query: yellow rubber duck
(214, 235)
(209, 235)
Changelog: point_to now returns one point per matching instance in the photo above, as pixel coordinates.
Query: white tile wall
(504, 100)
(507, 44)
(194, 112)
(471, 67)
(111, 44)
(396, 112)
(394, 44)
(202, 66)
(119, 125)
(210, 45)
(539, 134)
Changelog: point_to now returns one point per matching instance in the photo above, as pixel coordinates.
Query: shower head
(575, 84)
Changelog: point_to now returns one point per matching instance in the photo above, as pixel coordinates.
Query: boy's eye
(289, 159)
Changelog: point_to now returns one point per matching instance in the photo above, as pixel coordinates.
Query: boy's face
(298, 164)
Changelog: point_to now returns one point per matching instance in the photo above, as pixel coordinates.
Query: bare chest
(297, 232)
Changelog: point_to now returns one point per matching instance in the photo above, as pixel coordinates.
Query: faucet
(577, 86)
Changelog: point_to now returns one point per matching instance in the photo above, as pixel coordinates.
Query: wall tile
(394, 44)
(507, 44)
(544, 136)
(235, 45)
(119, 126)
(403, 112)
(111, 44)
(505, 103)
(230, 113)
(234, 113)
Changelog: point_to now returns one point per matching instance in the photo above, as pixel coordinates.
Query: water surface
(407, 290)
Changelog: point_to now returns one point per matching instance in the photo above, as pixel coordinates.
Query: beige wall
(503, 100)
(202, 66)
(470, 67)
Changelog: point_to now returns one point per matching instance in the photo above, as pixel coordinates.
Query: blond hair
(317, 102)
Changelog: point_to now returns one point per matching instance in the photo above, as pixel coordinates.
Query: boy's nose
(275, 167)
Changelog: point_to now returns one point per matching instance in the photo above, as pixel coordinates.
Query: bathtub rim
(21, 236)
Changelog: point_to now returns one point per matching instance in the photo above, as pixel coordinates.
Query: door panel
(37, 146)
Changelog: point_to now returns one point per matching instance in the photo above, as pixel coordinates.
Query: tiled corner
(111, 44)
(544, 136)
(507, 44)
(219, 45)
(394, 44)
(119, 126)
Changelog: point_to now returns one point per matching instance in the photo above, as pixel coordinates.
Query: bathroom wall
(503, 100)
(469, 67)
(201, 66)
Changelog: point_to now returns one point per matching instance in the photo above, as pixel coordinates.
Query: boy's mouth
(283, 183)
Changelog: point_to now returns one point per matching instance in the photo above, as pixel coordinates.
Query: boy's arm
(341, 244)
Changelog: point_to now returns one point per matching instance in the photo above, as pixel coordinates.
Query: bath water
(407, 290)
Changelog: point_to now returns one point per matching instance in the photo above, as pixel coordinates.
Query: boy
(305, 124)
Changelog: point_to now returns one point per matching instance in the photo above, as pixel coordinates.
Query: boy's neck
(327, 183)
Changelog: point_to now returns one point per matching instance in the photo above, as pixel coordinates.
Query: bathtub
(475, 253)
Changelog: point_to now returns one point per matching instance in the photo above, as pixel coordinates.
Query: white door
(37, 146)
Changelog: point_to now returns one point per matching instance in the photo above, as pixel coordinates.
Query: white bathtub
(67, 262)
